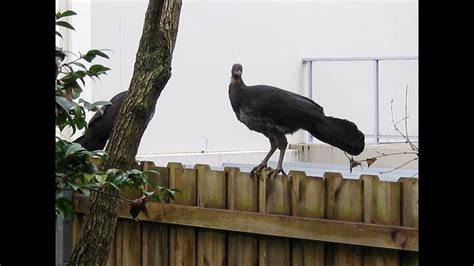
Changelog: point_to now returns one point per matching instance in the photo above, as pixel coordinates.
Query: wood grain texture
(307, 200)
(182, 238)
(381, 206)
(344, 203)
(242, 195)
(211, 193)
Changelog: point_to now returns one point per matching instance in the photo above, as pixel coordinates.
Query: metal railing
(376, 61)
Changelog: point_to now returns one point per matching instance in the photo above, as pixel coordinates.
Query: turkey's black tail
(340, 133)
(90, 143)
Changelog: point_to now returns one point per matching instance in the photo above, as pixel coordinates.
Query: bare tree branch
(393, 121)
(103, 192)
(405, 118)
(414, 149)
(414, 159)
(382, 154)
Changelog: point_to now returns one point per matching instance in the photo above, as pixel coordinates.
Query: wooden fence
(228, 218)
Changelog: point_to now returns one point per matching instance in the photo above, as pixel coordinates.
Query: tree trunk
(152, 71)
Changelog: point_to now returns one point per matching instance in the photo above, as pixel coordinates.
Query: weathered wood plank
(307, 200)
(381, 206)
(242, 191)
(155, 236)
(118, 243)
(211, 193)
(262, 206)
(111, 261)
(409, 190)
(76, 226)
(274, 250)
(185, 180)
(155, 244)
(354, 233)
(182, 239)
(242, 249)
(130, 243)
(182, 245)
(161, 179)
(409, 187)
(344, 203)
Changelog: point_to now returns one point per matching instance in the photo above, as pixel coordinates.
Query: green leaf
(101, 178)
(86, 103)
(113, 185)
(82, 80)
(85, 191)
(91, 54)
(68, 52)
(71, 77)
(99, 53)
(151, 171)
(135, 172)
(78, 112)
(65, 24)
(148, 181)
(99, 154)
(120, 180)
(157, 198)
(65, 206)
(80, 122)
(149, 193)
(93, 185)
(102, 103)
(88, 57)
(88, 177)
(74, 186)
(59, 34)
(76, 92)
(66, 13)
(175, 190)
(79, 65)
(69, 149)
(69, 68)
(113, 171)
(97, 69)
(64, 103)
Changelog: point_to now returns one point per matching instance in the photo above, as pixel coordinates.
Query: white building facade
(270, 39)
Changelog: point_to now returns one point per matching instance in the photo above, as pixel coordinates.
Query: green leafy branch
(76, 168)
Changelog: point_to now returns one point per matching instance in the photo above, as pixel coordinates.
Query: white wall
(269, 38)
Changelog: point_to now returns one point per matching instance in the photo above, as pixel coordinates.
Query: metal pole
(310, 90)
(376, 101)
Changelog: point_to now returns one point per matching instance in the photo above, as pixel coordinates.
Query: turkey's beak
(236, 74)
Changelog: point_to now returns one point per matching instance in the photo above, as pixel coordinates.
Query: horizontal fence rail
(372, 235)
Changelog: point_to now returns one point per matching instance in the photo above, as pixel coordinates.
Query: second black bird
(100, 126)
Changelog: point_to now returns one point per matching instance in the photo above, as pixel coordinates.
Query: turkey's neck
(237, 82)
(236, 88)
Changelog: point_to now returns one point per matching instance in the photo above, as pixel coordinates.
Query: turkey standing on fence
(275, 112)
(100, 126)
